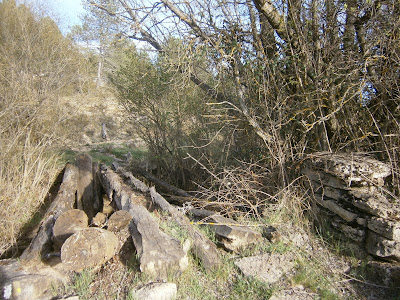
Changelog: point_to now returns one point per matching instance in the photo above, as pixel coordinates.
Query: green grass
(81, 283)
(101, 157)
(172, 228)
(250, 288)
(103, 153)
(67, 155)
(310, 275)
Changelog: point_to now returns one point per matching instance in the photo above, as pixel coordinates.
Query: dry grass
(27, 167)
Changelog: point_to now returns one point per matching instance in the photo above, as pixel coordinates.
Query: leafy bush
(166, 115)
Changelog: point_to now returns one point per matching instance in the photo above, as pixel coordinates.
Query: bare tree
(303, 75)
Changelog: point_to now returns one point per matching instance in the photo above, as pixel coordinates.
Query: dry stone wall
(351, 194)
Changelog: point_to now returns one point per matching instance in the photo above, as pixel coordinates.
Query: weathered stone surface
(375, 204)
(119, 192)
(19, 282)
(85, 192)
(136, 183)
(158, 253)
(353, 168)
(295, 293)
(350, 195)
(270, 233)
(324, 179)
(338, 194)
(387, 228)
(119, 224)
(107, 207)
(99, 220)
(65, 200)
(232, 234)
(156, 291)
(384, 273)
(355, 234)
(67, 224)
(268, 267)
(97, 199)
(298, 238)
(381, 247)
(88, 248)
(337, 209)
(29, 286)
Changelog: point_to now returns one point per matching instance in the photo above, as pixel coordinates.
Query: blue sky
(69, 12)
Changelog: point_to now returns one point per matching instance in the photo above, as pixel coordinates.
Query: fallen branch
(203, 248)
(163, 184)
(159, 254)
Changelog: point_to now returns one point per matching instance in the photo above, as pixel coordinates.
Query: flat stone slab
(119, 220)
(20, 282)
(156, 291)
(387, 228)
(232, 234)
(351, 167)
(159, 254)
(269, 267)
(375, 204)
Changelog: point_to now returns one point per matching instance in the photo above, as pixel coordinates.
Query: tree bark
(41, 245)
(203, 248)
(86, 193)
(158, 253)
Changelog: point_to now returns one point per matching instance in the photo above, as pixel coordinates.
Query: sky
(69, 12)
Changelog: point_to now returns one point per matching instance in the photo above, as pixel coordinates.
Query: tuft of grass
(191, 282)
(101, 157)
(67, 156)
(311, 275)
(106, 153)
(250, 288)
(173, 229)
(81, 284)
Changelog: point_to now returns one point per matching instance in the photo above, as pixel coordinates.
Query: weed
(191, 282)
(209, 233)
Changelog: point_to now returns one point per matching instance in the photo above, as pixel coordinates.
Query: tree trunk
(204, 249)
(41, 245)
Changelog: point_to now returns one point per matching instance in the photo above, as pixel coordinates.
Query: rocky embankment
(352, 195)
